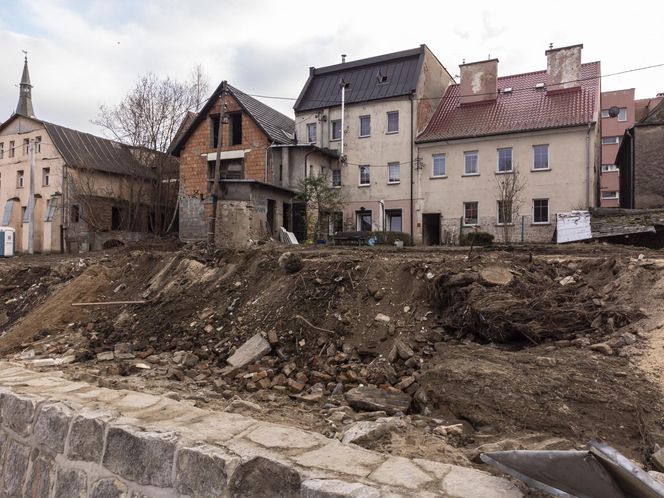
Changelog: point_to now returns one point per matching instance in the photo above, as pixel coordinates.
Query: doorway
(431, 229)
(271, 211)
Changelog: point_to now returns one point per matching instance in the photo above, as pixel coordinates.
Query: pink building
(613, 129)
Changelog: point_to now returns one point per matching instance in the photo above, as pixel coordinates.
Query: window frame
(442, 156)
(2, 150)
(466, 204)
(511, 213)
(37, 145)
(358, 219)
(391, 213)
(613, 197)
(548, 214)
(392, 113)
(511, 160)
(46, 177)
(20, 178)
(12, 149)
(368, 118)
(75, 208)
(310, 127)
(466, 155)
(332, 137)
(548, 158)
(609, 168)
(605, 114)
(615, 142)
(26, 146)
(389, 173)
(623, 113)
(334, 184)
(368, 170)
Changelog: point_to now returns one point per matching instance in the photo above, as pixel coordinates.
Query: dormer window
(382, 78)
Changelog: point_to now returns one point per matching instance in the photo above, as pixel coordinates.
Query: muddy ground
(535, 347)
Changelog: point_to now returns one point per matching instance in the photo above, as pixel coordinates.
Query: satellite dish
(614, 111)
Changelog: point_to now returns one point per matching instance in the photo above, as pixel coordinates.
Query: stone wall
(70, 439)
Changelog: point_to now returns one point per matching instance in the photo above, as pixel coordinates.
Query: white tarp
(573, 225)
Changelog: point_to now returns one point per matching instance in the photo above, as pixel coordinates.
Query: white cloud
(84, 53)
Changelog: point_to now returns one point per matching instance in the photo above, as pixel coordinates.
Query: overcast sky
(85, 53)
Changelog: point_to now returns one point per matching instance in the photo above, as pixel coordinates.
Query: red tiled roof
(524, 109)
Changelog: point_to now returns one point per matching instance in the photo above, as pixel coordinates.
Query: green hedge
(476, 239)
(388, 238)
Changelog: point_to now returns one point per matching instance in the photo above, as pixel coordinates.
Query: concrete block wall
(70, 439)
(531, 232)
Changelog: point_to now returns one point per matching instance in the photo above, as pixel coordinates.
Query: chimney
(343, 58)
(479, 81)
(563, 68)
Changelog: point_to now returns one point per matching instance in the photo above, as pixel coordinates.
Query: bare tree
(148, 119)
(321, 199)
(509, 187)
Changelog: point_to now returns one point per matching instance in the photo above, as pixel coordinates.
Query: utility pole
(31, 199)
(212, 222)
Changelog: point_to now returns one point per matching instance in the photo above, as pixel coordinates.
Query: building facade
(534, 135)
(387, 100)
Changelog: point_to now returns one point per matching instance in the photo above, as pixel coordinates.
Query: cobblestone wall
(70, 439)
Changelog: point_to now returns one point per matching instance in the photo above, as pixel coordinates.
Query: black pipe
(412, 145)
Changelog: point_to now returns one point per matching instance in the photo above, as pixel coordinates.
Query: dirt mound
(541, 301)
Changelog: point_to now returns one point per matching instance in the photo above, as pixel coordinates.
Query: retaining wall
(70, 439)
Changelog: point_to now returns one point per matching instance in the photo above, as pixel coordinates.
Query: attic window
(382, 78)
(539, 86)
(507, 89)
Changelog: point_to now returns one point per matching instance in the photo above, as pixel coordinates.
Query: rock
(445, 430)
(405, 383)
(175, 374)
(372, 399)
(496, 275)
(272, 337)
(602, 348)
(658, 459)
(379, 295)
(119, 288)
(52, 426)
(86, 437)
(263, 478)
(18, 412)
(380, 317)
(123, 348)
(291, 262)
(367, 431)
(333, 488)
(172, 395)
(108, 488)
(544, 361)
(657, 476)
(295, 387)
(252, 350)
(203, 471)
(143, 457)
(15, 468)
(567, 280)
(190, 360)
(105, 356)
(403, 350)
(145, 354)
(69, 483)
(243, 407)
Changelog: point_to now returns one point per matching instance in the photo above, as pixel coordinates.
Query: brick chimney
(563, 68)
(479, 81)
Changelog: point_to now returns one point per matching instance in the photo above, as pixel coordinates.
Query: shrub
(476, 239)
(388, 238)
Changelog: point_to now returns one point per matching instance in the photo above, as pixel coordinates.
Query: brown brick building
(259, 170)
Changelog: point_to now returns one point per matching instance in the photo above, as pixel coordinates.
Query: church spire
(24, 107)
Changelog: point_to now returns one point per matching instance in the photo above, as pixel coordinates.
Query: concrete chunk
(144, 457)
(52, 426)
(333, 488)
(374, 399)
(18, 412)
(203, 471)
(252, 350)
(264, 478)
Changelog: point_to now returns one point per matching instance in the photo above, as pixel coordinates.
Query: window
(50, 210)
(365, 126)
(336, 129)
(394, 173)
(540, 210)
(20, 179)
(46, 177)
(336, 178)
(609, 194)
(541, 156)
(505, 160)
(26, 146)
(364, 222)
(37, 144)
(12, 148)
(470, 213)
(336, 222)
(393, 220)
(75, 213)
(610, 140)
(365, 175)
(393, 122)
(471, 167)
(2, 150)
(236, 128)
(25, 216)
(439, 166)
(504, 212)
(311, 133)
(609, 167)
(605, 113)
(622, 114)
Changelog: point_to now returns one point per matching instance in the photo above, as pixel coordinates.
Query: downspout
(306, 194)
(412, 169)
(588, 165)
(65, 198)
(632, 172)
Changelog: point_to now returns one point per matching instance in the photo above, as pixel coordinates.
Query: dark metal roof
(24, 106)
(400, 71)
(82, 150)
(278, 127)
